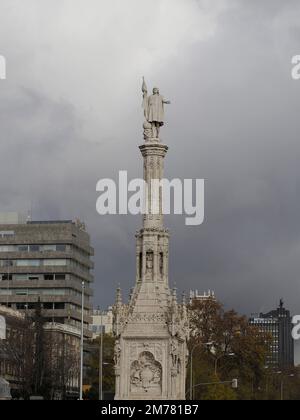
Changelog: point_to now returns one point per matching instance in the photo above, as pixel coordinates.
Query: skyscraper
(277, 323)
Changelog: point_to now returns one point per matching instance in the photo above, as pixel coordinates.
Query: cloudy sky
(70, 114)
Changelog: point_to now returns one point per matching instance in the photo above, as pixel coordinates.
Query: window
(59, 306)
(22, 306)
(6, 233)
(61, 248)
(48, 305)
(58, 262)
(55, 292)
(23, 248)
(6, 277)
(21, 277)
(28, 263)
(5, 292)
(7, 248)
(7, 263)
(49, 276)
(21, 292)
(60, 277)
(49, 247)
(34, 248)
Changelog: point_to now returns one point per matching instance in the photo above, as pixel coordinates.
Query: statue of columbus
(154, 109)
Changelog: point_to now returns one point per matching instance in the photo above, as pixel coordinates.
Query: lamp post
(102, 365)
(282, 383)
(81, 342)
(219, 358)
(191, 367)
(8, 265)
(101, 360)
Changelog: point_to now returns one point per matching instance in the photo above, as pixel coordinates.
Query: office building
(278, 324)
(196, 296)
(102, 320)
(46, 261)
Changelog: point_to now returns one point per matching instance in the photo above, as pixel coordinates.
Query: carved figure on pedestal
(117, 353)
(154, 109)
(149, 263)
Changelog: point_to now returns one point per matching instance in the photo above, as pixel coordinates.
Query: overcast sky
(70, 114)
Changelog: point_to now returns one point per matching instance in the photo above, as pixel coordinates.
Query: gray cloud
(70, 114)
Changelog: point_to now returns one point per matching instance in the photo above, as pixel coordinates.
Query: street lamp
(191, 367)
(282, 383)
(101, 360)
(101, 393)
(221, 357)
(81, 342)
(8, 264)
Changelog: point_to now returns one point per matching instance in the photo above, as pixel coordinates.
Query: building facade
(47, 262)
(196, 296)
(10, 364)
(61, 349)
(102, 321)
(278, 324)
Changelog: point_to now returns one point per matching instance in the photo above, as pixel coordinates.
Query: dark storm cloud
(234, 120)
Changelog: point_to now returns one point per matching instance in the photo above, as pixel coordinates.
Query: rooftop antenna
(29, 213)
(29, 219)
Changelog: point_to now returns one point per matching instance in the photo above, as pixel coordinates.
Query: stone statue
(153, 110)
(174, 353)
(117, 353)
(149, 262)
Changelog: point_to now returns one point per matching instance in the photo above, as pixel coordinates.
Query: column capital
(154, 149)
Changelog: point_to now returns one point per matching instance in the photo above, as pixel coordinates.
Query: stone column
(153, 153)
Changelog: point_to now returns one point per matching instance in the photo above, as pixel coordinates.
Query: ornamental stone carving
(117, 353)
(146, 375)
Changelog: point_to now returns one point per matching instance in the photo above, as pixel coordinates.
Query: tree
(227, 347)
(16, 353)
(40, 359)
(62, 364)
(39, 352)
(108, 367)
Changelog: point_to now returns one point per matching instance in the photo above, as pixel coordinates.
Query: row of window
(42, 248)
(33, 248)
(42, 263)
(50, 306)
(6, 233)
(32, 277)
(28, 292)
(40, 291)
(47, 306)
(33, 263)
(265, 321)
